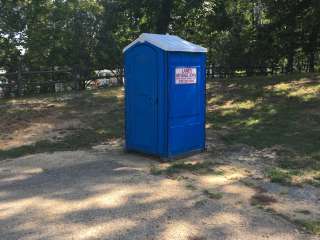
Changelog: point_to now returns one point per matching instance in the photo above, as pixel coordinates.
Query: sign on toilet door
(186, 75)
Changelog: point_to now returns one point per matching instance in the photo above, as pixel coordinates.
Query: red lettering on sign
(186, 75)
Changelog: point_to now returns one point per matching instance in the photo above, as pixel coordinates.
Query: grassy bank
(98, 117)
(280, 112)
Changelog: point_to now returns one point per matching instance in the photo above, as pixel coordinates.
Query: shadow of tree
(252, 112)
(99, 112)
(105, 199)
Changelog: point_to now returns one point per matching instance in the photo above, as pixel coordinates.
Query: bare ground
(96, 191)
(104, 193)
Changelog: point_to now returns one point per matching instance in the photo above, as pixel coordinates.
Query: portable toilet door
(164, 96)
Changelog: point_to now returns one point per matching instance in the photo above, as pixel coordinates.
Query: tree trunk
(164, 16)
(290, 62)
(312, 49)
(19, 79)
(76, 78)
(311, 61)
(120, 77)
(82, 84)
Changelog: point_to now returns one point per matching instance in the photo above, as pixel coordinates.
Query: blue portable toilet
(164, 96)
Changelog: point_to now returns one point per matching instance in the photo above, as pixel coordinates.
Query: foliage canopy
(89, 35)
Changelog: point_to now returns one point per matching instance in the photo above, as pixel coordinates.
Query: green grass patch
(100, 113)
(310, 226)
(81, 139)
(190, 186)
(278, 175)
(297, 162)
(249, 183)
(266, 112)
(205, 167)
(293, 176)
(38, 147)
(154, 170)
(212, 194)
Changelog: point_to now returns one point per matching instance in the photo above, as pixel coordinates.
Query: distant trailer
(164, 96)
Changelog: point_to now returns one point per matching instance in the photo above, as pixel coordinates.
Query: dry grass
(62, 122)
(280, 113)
(262, 199)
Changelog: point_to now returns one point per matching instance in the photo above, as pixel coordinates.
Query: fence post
(120, 76)
(19, 78)
(52, 86)
(52, 74)
(76, 78)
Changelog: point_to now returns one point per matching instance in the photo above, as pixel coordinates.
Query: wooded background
(81, 36)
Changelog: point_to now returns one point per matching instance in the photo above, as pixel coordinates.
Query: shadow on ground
(281, 112)
(111, 195)
(59, 123)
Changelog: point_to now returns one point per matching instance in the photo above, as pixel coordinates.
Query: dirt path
(106, 194)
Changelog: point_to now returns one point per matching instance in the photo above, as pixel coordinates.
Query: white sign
(186, 75)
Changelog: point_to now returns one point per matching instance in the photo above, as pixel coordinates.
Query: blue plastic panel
(142, 76)
(186, 131)
(162, 117)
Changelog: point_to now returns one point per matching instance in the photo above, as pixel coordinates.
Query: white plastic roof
(170, 43)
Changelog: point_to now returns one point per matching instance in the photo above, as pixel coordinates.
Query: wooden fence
(21, 83)
(220, 72)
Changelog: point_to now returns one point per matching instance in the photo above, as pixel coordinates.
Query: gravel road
(107, 194)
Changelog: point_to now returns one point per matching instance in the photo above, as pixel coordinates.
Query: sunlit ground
(261, 133)
(97, 195)
(275, 112)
